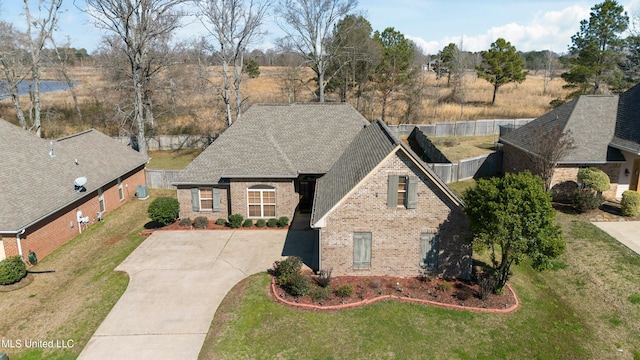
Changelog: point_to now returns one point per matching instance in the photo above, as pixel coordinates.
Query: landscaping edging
(399, 298)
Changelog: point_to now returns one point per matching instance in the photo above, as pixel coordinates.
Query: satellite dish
(81, 181)
(79, 184)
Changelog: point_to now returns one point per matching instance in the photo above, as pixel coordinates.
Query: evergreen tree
(501, 64)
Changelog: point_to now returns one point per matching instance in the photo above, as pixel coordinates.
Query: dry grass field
(193, 102)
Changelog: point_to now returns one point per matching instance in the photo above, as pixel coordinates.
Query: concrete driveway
(627, 232)
(177, 280)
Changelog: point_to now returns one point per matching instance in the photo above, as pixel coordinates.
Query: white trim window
(261, 201)
(120, 190)
(206, 199)
(101, 200)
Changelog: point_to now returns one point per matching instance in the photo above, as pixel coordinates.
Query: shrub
(164, 210)
(630, 204)
(235, 221)
(284, 269)
(261, 223)
(444, 285)
(185, 222)
(200, 222)
(283, 221)
(12, 270)
(272, 223)
(319, 293)
(247, 223)
(485, 286)
(297, 285)
(324, 278)
(221, 221)
(594, 178)
(344, 291)
(635, 299)
(586, 199)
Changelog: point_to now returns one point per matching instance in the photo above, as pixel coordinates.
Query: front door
(633, 185)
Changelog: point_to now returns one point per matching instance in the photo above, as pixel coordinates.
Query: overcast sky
(529, 25)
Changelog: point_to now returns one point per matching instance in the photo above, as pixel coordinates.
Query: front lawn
(70, 303)
(584, 308)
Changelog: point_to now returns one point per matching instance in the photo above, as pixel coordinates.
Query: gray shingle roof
(627, 133)
(591, 120)
(35, 185)
(364, 153)
(277, 141)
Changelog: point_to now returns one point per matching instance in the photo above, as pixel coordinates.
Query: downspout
(319, 249)
(19, 243)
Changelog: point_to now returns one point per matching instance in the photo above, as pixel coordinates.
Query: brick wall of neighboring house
(515, 160)
(50, 233)
(286, 197)
(395, 249)
(186, 207)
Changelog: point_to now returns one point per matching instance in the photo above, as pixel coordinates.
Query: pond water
(25, 86)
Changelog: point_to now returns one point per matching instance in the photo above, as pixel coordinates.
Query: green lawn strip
(461, 186)
(464, 147)
(73, 301)
(256, 327)
(172, 159)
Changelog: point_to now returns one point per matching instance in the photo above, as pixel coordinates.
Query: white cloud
(548, 30)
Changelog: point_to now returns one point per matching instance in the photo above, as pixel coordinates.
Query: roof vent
(51, 149)
(79, 183)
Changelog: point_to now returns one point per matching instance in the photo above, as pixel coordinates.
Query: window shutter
(216, 199)
(412, 192)
(195, 199)
(429, 248)
(392, 191)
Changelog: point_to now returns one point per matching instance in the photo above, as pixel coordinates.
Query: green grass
(172, 160)
(70, 303)
(464, 147)
(555, 320)
(461, 186)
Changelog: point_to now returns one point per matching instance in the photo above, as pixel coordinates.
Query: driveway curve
(177, 281)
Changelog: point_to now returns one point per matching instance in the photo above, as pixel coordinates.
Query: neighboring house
(41, 208)
(606, 134)
(377, 209)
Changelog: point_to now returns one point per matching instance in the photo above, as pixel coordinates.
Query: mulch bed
(19, 285)
(366, 289)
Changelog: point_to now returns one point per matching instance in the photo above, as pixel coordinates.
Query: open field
(583, 309)
(193, 104)
(70, 303)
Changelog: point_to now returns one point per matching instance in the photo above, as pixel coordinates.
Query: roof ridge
(75, 135)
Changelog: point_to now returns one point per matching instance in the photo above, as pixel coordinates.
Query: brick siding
(50, 233)
(396, 232)
(186, 207)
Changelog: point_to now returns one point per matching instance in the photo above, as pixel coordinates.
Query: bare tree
(13, 60)
(137, 23)
(308, 25)
(234, 24)
(551, 63)
(551, 146)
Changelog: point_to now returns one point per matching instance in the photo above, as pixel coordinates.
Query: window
(101, 200)
(402, 191)
(261, 200)
(206, 199)
(362, 250)
(429, 248)
(120, 192)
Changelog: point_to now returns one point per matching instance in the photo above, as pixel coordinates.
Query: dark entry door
(307, 189)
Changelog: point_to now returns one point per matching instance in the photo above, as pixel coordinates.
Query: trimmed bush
(235, 221)
(261, 223)
(586, 200)
(324, 278)
(164, 210)
(12, 270)
(630, 204)
(200, 222)
(185, 222)
(444, 286)
(594, 178)
(283, 221)
(344, 291)
(319, 293)
(247, 223)
(287, 267)
(297, 285)
(272, 223)
(221, 221)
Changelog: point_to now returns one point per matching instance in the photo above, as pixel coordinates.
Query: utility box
(142, 192)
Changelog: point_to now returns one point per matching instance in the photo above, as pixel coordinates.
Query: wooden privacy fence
(479, 166)
(160, 179)
(460, 128)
